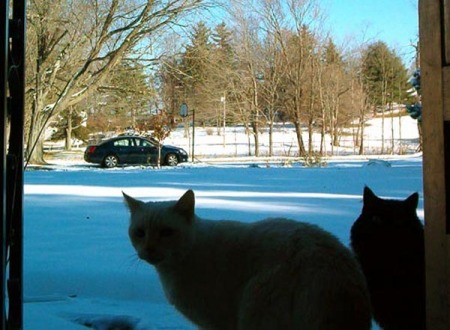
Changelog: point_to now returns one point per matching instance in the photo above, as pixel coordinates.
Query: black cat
(388, 240)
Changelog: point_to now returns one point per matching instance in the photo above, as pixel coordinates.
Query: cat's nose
(152, 256)
(147, 252)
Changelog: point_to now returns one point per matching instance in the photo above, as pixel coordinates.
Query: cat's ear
(413, 200)
(368, 195)
(132, 204)
(370, 200)
(186, 205)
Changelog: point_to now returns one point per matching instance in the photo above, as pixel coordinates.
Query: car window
(146, 144)
(122, 143)
(137, 142)
(142, 143)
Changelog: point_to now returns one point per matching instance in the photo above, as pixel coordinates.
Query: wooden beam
(446, 18)
(446, 86)
(437, 242)
(4, 43)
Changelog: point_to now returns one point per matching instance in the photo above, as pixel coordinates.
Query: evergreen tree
(170, 83)
(222, 71)
(196, 66)
(332, 55)
(197, 54)
(222, 38)
(385, 81)
(123, 100)
(384, 75)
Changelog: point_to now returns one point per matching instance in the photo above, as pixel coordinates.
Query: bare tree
(250, 68)
(274, 70)
(295, 25)
(271, 87)
(78, 44)
(240, 76)
(162, 124)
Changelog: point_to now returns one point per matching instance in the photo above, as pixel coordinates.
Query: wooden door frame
(434, 36)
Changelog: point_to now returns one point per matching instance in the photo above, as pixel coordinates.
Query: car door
(124, 150)
(145, 152)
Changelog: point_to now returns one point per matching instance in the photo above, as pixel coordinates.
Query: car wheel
(110, 161)
(171, 160)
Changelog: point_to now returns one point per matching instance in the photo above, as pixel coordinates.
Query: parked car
(133, 150)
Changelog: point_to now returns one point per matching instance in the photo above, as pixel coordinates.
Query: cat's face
(383, 219)
(161, 232)
(386, 212)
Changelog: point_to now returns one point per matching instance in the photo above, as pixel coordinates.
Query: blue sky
(392, 21)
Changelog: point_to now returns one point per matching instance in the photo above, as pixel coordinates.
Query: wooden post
(434, 22)
(4, 46)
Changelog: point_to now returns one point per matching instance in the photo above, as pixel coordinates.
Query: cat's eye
(166, 232)
(139, 233)
(376, 219)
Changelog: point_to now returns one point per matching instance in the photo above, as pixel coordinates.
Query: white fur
(271, 274)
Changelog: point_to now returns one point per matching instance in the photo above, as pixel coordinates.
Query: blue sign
(184, 110)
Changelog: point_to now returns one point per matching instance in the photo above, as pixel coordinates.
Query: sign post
(184, 112)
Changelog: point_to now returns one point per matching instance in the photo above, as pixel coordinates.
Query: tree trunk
(335, 124)
(159, 155)
(361, 139)
(36, 155)
(271, 138)
(391, 108)
(256, 136)
(301, 144)
(382, 131)
(361, 132)
(249, 143)
(68, 145)
(310, 136)
(400, 133)
(35, 143)
(322, 135)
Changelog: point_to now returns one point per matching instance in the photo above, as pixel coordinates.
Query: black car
(133, 150)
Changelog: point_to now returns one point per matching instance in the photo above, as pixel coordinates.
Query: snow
(80, 269)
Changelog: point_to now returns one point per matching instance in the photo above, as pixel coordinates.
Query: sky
(392, 21)
(356, 22)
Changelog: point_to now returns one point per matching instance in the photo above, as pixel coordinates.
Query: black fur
(388, 241)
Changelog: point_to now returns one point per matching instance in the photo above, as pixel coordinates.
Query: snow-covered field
(212, 143)
(81, 269)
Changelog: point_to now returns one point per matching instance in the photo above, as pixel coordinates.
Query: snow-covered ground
(211, 142)
(81, 269)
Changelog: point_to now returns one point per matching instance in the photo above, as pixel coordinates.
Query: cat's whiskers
(134, 262)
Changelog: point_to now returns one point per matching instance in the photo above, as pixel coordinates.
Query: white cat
(271, 274)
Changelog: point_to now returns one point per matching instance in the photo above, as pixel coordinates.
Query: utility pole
(224, 100)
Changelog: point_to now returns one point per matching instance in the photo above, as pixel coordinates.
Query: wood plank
(446, 95)
(436, 240)
(447, 173)
(447, 31)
